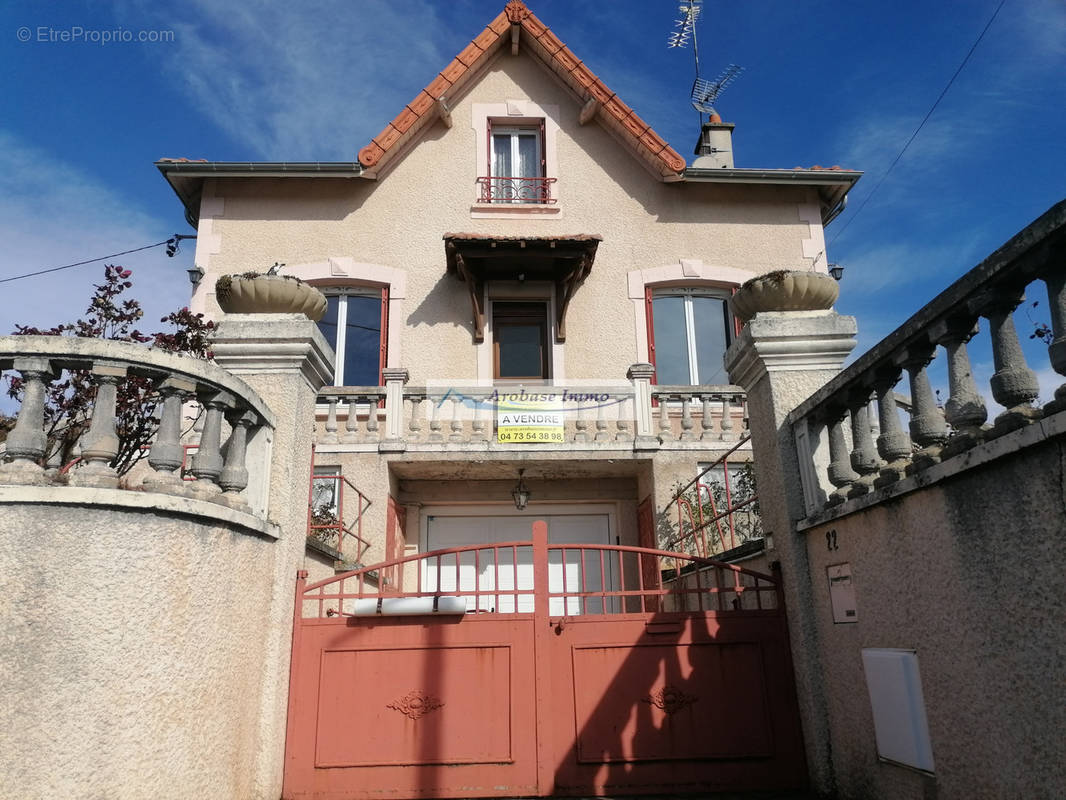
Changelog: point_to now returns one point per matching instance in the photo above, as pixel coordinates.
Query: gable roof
(518, 26)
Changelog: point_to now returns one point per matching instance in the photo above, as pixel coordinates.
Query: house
(516, 228)
(528, 310)
(531, 288)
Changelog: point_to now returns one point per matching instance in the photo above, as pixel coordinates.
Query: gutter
(834, 184)
(802, 177)
(264, 169)
(186, 177)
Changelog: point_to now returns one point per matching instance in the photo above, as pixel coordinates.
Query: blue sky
(826, 82)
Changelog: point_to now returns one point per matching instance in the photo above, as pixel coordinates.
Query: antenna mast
(704, 92)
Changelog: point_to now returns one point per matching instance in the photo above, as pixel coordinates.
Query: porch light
(837, 271)
(520, 493)
(196, 274)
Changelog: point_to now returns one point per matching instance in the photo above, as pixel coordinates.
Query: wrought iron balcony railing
(495, 189)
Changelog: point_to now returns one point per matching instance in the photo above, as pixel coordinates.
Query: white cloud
(291, 84)
(52, 213)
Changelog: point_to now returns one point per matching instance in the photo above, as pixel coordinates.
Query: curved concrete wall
(134, 644)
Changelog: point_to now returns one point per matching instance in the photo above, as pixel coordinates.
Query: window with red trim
(356, 326)
(516, 164)
(689, 330)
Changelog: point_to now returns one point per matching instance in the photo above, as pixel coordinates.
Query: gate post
(781, 359)
(542, 667)
(286, 360)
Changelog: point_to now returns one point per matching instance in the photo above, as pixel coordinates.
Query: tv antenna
(705, 93)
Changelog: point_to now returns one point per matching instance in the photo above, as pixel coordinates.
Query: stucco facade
(384, 227)
(395, 223)
(965, 573)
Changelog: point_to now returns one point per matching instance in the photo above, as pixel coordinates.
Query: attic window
(517, 167)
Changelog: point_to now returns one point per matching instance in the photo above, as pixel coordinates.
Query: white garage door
(512, 573)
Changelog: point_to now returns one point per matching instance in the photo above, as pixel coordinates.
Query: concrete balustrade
(221, 471)
(635, 415)
(979, 304)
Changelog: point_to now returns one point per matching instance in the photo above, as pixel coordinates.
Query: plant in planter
(269, 293)
(784, 290)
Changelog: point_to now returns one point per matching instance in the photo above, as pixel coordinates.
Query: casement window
(516, 165)
(689, 330)
(356, 326)
(520, 340)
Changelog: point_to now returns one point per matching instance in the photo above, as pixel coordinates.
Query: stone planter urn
(269, 294)
(784, 290)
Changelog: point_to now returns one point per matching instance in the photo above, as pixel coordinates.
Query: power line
(82, 263)
(922, 123)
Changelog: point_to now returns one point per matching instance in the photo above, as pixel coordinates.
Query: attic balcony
(630, 416)
(499, 189)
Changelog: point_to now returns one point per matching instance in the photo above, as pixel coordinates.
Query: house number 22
(831, 539)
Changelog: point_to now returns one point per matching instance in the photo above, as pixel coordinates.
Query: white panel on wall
(900, 724)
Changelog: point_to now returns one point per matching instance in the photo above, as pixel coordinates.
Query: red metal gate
(564, 672)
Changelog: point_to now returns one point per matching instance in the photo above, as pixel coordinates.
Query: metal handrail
(518, 189)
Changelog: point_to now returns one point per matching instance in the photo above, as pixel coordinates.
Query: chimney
(715, 146)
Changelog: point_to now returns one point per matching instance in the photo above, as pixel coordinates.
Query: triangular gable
(518, 27)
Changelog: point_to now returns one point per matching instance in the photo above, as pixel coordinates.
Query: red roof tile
(546, 46)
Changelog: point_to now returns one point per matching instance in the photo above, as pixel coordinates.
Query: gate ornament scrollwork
(670, 699)
(415, 704)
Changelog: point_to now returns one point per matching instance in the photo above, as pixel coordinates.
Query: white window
(516, 165)
(355, 325)
(690, 329)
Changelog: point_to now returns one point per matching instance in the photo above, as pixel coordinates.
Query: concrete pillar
(781, 359)
(286, 360)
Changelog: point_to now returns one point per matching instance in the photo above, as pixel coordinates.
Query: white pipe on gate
(407, 606)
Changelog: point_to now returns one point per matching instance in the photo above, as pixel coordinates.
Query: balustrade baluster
(581, 425)
(863, 453)
(101, 442)
(414, 427)
(686, 419)
(965, 409)
(1014, 385)
(478, 423)
(27, 441)
(840, 473)
(351, 421)
(927, 426)
(167, 454)
(373, 425)
(622, 423)
(234, 475)
(601, 424)
(1056, 295)
(706, 418)
(207, 463)
(727, 434)
(434, 419)
(456, 426)
(666, 433)
(330, 436)
(893, 443)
